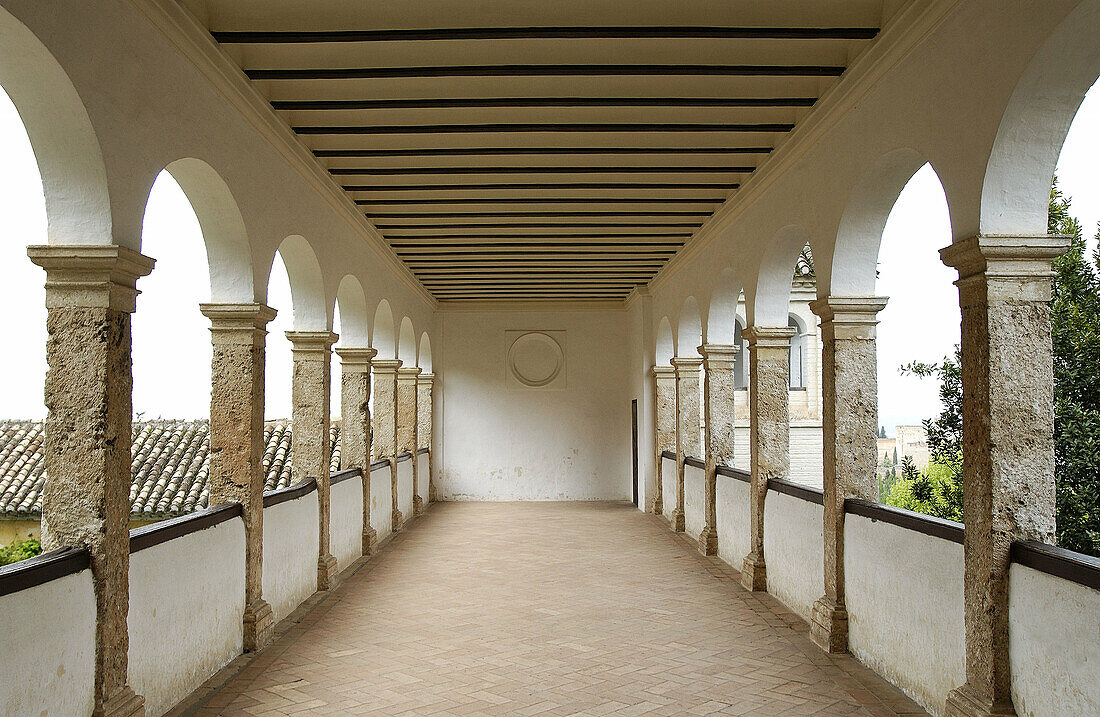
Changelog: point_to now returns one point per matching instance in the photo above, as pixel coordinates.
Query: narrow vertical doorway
(634, 447)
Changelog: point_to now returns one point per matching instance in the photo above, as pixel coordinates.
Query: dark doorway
(634, 445)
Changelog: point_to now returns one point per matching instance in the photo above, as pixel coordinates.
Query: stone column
(424, 385)
(384, 444)
(1008, 445)
(718, 430)
(406, 425)
(90, 294)
(664, 378)
(687, 426)
(769, 434)
(849, 427)
(309, 449)
(355, 417)
(239, 334)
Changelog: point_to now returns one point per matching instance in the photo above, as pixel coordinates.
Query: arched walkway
(525, 608)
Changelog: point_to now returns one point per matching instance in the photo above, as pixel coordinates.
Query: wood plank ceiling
(540, 150)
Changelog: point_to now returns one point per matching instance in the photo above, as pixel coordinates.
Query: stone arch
(1016, 186)
(722, 312)
(766, 304)
(666, 347)
(424, 357)
(353, 313)
(228, 253)
(66, 149)
(851, 268)
(689, 329)
(307, 285)
(383, 339)
(406, 343)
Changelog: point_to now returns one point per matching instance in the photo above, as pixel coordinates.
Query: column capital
(408, 372)
(103, 276)
(766, 337)
(664, 372)
(355, 359)
(849, 317)
(719, 354)
(1023, 259)
(686, 364)
(425, 379)
(307, 342)
(237, 323)
(385, 365)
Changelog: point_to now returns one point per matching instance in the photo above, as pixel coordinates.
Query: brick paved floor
(546, 609)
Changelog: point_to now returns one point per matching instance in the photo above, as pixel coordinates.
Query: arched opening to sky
(22, 223)
(280, 361)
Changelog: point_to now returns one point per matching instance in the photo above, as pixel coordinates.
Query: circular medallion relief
(535, 359)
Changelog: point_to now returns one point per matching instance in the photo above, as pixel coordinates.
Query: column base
(326, 572)
(708, 541)
(259, 626)
(370, 540)
(965, 701)
(677, 520)
(397, 520)
(754, 573)
(418, 505)
(658, 506)
(123, 704)
(431, 491)
(829, 625)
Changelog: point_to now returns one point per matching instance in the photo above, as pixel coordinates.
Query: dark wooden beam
(475, 102)
(547, 70)
(519, 127)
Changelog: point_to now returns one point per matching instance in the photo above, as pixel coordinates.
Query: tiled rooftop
(169, 468)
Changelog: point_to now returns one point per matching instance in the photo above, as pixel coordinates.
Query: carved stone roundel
(535, 359)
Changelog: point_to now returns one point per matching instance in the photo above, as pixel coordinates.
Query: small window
(798, 354)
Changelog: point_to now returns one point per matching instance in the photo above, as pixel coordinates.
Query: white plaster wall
(731, 513)
(668, 486)
(186, 612)
(290, 554)
(381, 502)
(1054, 644)
(806, 453)
(905, 607)
(694, 518)
(346, 522)
(405, 488)
(422, 477)
(793, 551)
(505, 441)
(48, 648)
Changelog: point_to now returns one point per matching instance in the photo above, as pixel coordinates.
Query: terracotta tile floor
(545, 609)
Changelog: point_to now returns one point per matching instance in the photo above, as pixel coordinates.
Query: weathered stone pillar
(424, 385)
(384, 444)
(849, 425)
(310, 450)
(688, 441)
(1008, 445)
(90, 294)
(769, 434)
(239, 335)
(355, 431)
(406, 425)
(664, 378)
(718, 430)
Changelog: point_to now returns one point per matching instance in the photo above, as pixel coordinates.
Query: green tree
(19, 550)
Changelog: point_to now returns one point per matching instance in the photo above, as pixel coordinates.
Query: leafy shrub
(20, 550)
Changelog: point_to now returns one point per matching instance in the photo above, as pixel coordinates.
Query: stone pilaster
(664, 379)
(849, 425)
(384, 444)
(718, 430)
(687, 427)
(769, 434)
(239, 335)
(1008, 444)
(355, 419)
(310, 449)
(90, 294)
(424, 385)
(407, 425)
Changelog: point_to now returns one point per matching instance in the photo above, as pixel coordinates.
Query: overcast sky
(172, 340)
